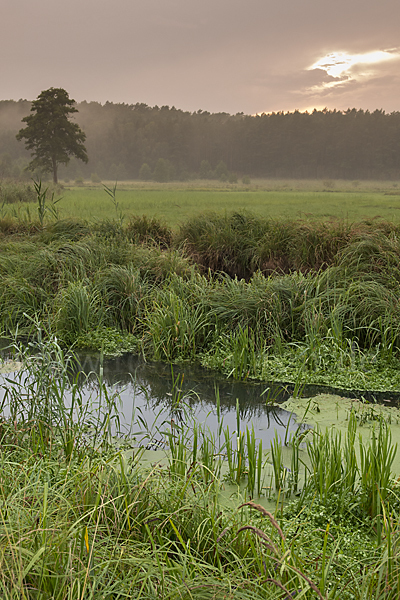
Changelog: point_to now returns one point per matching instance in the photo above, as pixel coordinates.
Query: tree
(161, 170)
(221, 171)
(50, 134)
(145, 172)
(205, 170)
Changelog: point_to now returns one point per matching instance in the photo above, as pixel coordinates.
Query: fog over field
(221, 56)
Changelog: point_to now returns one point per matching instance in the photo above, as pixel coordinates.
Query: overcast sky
(231, 56)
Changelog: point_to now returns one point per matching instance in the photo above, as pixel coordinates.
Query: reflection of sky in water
(149, 391)
(156, 411)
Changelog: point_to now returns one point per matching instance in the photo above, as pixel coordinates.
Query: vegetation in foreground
(81, 516)
(288, 300)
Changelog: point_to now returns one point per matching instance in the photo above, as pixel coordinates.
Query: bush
(146, 229)
(12, 192)
(145, 173)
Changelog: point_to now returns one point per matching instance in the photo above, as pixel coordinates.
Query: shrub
(12, 192)
(146, 229)
(145, 173)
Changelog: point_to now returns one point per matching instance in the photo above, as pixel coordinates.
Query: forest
(136, 141)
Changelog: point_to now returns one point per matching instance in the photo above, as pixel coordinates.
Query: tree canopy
(121, 138)
(50, 134)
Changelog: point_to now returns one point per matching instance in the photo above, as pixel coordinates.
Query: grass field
(176, 202)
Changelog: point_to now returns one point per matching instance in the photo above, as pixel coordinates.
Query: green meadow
(176, 202)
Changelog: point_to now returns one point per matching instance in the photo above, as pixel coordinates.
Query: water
(159, 393)
(152, 390)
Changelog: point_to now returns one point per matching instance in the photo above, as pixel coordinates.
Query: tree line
(136, 141)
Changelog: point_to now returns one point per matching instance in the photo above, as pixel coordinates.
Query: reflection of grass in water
(75, 508)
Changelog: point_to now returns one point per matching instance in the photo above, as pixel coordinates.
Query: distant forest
(151, 143)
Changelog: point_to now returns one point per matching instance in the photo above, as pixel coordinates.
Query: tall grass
(81, 518)
(14, 192)
(300, 325)
(144, 229)
(123, 290)
(79, 310)
(240, 243)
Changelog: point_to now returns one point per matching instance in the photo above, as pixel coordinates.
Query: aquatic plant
(79, 506)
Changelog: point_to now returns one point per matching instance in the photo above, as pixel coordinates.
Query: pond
(155, 390)
(153, 387)
(158, 393)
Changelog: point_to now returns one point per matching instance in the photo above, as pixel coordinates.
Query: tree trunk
(55, 178)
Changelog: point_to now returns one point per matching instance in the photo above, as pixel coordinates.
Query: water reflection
(157, 391)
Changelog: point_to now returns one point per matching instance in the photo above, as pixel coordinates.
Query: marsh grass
(144, 229)
(13, 192)
(333, 320)
(80, 517)
(123, 290)
(78, 311)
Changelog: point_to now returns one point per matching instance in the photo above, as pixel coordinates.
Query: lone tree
(50, 134)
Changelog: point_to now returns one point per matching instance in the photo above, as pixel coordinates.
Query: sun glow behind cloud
(340, 79)
(345, 67)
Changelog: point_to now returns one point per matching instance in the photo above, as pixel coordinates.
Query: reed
(279, 469)
(80, 518)
(256, 463)
(376, 461)
(312, 324)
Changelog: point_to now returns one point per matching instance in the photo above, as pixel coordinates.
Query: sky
(233, 56)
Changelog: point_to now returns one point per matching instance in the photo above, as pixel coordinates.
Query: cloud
(345, 69)
(218, 55)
